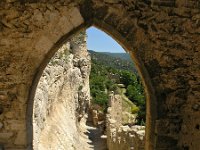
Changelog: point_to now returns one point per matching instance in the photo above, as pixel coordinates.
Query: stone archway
(162, 37)
(149, 90)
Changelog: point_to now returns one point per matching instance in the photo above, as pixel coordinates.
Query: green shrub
(100, 98)
(134, 110)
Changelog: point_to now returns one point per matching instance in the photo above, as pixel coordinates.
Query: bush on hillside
(104, 79)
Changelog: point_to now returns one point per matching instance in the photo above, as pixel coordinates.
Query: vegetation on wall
(107, 77)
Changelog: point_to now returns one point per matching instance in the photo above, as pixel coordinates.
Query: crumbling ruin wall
(62, 98)
(119, 136)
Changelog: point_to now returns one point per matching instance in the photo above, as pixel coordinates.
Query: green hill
(123, 56)
(121, 61)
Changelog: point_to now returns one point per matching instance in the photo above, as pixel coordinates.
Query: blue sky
(101, 42)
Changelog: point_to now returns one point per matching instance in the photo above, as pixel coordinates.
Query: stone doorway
(163, 40)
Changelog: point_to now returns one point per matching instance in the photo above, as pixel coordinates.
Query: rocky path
(93, 139)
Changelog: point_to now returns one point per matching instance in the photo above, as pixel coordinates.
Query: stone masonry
(162, 36)
(119, 136)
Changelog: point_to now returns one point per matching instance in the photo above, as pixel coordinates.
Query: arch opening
(72, 33)
(117, 94)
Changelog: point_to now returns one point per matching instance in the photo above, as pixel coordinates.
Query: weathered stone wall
(62, 98)
(161, 35)
(119, 136)
(115, 108)
(21, 29)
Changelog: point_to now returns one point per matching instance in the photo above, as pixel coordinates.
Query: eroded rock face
(62, 98)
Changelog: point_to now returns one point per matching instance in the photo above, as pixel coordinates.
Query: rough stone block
(21, 138)
(64, 25)
(43, 44)
(75, 17)
(17, 125)
(5, 135)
